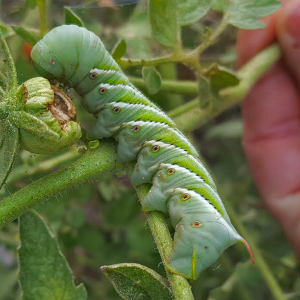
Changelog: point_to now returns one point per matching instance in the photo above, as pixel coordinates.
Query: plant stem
(9, 61)
(44, 23)
(211, 39)
(93, 163)
(43, 166)
(186, 87)
(159, 229)
(228, 97)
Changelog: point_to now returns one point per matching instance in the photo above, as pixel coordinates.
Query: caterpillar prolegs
(181, 186)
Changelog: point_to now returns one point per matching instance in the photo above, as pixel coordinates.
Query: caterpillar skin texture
(181, 186)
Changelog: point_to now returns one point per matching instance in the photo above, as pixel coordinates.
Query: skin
(271, 114)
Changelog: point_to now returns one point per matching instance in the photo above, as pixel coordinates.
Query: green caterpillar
(181, 186)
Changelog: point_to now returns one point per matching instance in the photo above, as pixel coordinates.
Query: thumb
(288, 32)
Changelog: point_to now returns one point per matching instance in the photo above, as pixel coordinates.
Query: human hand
(271, 114)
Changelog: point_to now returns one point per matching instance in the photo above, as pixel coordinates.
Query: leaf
(245, 14)
(152, 80)
(28, 35)
(137, 282)
(72, 18)
(9, 142)
(192, 11)
(163, 20)
(44, 271)
(119, 50)
(221, 78)
(205, 94)
(31, 3)
(4, 29)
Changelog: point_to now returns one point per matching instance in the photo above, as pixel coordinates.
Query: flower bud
(45, 118)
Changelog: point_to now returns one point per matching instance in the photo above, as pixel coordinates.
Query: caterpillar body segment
(191, 215)
(181, 185)
(154, 153)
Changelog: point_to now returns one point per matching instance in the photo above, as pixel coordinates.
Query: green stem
(129, 63)
(95, 162)
(43, 166)
(228, 97)
(170, 86)
(9, 61)
(211, 39)
(159, 229)
(44, 23)
(259, 260)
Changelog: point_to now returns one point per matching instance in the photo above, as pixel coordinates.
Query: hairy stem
(12, 73)
(159, 229)
(93, 163)
(193, 116)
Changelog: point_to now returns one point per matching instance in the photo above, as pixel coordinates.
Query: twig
(159, 229)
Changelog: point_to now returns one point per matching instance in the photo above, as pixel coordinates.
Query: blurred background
(100, 222)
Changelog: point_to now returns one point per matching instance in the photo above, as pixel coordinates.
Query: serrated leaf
(192, 11)
(163, 20)
(119, 49)
(152, 80)
(44, 271)
(28, 35)
(221, 77)
(9, 143)
(220, 5)
(72, 18)
(245, 14)
(137, 282)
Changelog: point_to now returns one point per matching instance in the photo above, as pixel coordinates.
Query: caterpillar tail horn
(245, 243)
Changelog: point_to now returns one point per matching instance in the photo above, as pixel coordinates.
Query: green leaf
(44, 271)
(152, 80)
(245, 14)
(119, 49)
(28, 35)
(137, 282)
(4, 29)
(221, 78)
(163, 19)
(192, 11)
(72, 18)
(9, 142)
(204, 92)
(31, 3)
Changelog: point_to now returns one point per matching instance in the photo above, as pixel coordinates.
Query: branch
(93, 163)
(185, 87)
(193, 116)
(44, 23)
(160, 232)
